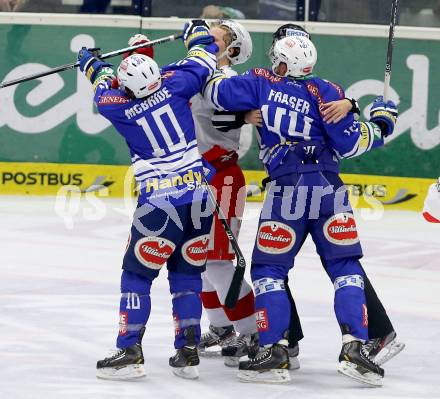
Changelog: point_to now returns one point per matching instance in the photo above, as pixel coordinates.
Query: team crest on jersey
(275, 238)
(195, 251)
(267, 75)
(341, 229)
(123, 323)
(153, 252)
(262, 319)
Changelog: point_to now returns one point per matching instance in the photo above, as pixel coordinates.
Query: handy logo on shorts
(153, 252)
(341, 229)
(275, 238)
(123, 323)
(195, 251)
(262, 320)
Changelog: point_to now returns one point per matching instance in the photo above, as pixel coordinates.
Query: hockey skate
(383, 349)
(355, 363)
(122, 364)
(271, 365)
(211, 342)
(243, 345)
(184, 363)
(293, 350)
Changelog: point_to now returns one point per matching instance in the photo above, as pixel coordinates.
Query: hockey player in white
(431, 209)
(220, 149)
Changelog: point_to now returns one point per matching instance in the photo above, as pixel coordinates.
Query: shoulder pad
(265, 73)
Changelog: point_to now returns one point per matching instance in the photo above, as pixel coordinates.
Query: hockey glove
(384, 115)
(226, 121)
(196, 32)
(138, 39)
(89, 64)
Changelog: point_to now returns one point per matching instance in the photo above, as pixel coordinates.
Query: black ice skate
(355, 363)
(123, 364)
(186, 359)
(383, 349)
(243, 345)
(271, 365)
(293, 350)
(211, 342)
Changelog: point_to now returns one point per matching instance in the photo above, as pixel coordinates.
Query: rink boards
(116, 181)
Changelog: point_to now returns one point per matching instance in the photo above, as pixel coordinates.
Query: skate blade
(293, 363)
(350, 370)
(274, 376)
(131, 372)
(213, 351)
(389, 351)
(188, 372)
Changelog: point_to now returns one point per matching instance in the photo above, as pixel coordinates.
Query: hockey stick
(73, 65)
(237, 278)
(390, 50)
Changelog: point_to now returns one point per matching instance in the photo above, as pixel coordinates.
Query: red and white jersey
(207, 135)
(431, 209)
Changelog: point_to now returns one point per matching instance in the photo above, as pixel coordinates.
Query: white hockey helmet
(241, 39)
(139, 74)
(298, 53)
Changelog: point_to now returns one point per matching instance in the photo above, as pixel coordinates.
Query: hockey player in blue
(171, 225)
(301, 154)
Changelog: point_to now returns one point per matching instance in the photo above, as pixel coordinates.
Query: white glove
(137, 39)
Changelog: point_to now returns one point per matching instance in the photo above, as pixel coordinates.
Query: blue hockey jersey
(159, 129)
(291, 114)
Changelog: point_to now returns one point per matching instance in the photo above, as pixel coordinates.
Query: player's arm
(334, 111)
(352, 138)
(237, 93)
(200, 61)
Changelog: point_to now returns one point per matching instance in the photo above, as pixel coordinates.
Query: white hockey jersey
(431, 209)
(207, 135)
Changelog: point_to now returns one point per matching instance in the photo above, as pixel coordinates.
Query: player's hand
(334, 111)
(84, 56)
(254, 117)
(196, 32)
(384, 115)
(89, 64)
(136, 39)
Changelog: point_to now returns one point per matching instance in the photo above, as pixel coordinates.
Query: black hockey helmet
(289, 30)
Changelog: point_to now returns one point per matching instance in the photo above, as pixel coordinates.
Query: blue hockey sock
(134, 308)
(187, 306)
(272, 306)
(350, 303)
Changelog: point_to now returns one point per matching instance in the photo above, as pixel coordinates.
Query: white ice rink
(59, 302)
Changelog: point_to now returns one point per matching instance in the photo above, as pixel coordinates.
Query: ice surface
(59, 310)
